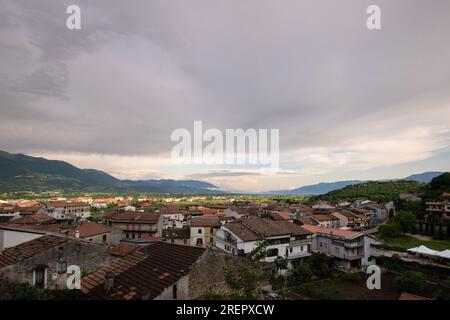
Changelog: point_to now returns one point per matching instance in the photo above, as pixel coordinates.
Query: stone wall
(207, 275)
(85, 255)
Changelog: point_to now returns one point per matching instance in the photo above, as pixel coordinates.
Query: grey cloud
(136, 71)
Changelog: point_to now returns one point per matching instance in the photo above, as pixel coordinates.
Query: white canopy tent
(423, 251)
(444, 254)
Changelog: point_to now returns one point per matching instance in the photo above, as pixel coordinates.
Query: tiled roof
(346, 213)
(28, 249)
(145, 273)
(40, 228)
(324, 217)
(347, 234)
(122, 249)
(211, 221)
(307, 220)
(62, 204)
(33, 219)
(280, 215)
(89, 229)
(256, 228)
(410, 296)
(135, 217)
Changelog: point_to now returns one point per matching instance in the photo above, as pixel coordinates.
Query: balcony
(300, 242)
(354, 244)
(226, 238)
(296, 255)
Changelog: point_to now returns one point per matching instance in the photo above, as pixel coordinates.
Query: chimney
(77, 234)
(109, 281)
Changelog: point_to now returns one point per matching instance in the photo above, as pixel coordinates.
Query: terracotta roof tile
(145, 273)
(28, 249)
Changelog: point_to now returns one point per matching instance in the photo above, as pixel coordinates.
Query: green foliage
(351, 276)
(389, 230)
(411, 281)
(281, 263)
(374, 190)
(406, 221)
(260, 252)
(302, 273)
(320, 265)
(244, 282)
(323, 292)
(437, 187)
(24, 291)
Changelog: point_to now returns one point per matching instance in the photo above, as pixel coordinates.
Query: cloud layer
(344, 98)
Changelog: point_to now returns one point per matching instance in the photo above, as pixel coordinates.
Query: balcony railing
(354, 244)
(299, 242)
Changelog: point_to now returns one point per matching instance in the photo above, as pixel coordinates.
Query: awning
(423, 250)
(444, 254)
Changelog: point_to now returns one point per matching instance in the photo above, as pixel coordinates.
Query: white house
(281, 238)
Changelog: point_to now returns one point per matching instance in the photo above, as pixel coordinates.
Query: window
(105, 237)
(199, 241)
(290, 250)
(39, 277)
(272, 252)
(185, 241)
(199, 231)
(62, 267)
(174, 292)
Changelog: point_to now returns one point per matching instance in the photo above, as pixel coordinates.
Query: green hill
(374, 190)
(19, 172)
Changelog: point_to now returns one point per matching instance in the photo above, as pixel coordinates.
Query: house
(177, 235)
(9, 212)
(67, 210)
(300, 210)
(364, 217)
(350, 248)
(92, 232)
(281, 215)
(158, 271)
(326, 220)
(350, 219)
(202, 230)
(306, 220)
(323, 205)
(43, 262)
(441, 208)
(25, 229)
(379, 212)
(281, 238)
(133, 225)
(163, 271)
(173, 217)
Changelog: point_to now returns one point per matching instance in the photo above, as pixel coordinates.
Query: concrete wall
(12, 238)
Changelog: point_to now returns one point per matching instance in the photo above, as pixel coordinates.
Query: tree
(320, 264)
(390, 230)
(411, 281)
(302, 272)
(244, 282)
(405, 220)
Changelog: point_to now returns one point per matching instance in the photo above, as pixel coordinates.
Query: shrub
(411, 281)
(302, 272)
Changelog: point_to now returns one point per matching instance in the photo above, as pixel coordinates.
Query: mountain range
(325, 187)
(19, 172)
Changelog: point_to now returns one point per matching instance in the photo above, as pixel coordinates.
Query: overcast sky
(350, 103)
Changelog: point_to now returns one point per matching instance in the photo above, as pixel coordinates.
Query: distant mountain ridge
(19, 172)
(325, 187)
